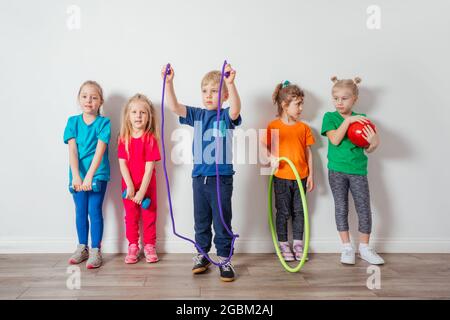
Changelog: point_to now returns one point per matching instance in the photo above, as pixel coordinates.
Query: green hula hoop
(305, 213)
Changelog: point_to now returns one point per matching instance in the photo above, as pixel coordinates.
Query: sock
(298, 242)
(286, 243)
(347, 245)
(363, 246)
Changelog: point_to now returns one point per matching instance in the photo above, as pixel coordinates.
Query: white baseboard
(317, 245)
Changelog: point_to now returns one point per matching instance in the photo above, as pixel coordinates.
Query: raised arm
(177, 108)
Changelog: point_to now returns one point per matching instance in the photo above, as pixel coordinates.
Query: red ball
(355, 133)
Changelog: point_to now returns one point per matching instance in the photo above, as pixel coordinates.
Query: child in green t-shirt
(347, 169)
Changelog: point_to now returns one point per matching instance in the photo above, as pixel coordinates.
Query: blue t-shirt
(86, 137)
(204, 144)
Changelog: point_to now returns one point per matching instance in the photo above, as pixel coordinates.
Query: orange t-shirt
(292, 143)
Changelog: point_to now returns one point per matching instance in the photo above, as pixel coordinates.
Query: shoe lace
(198, 258)
(227, 267)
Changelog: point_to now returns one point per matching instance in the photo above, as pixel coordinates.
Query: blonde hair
(99, 91)
(126, 126)
(286, 94)
(214, 77)
(346, 83)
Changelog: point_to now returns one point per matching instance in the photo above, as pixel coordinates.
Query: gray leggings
(340, 184)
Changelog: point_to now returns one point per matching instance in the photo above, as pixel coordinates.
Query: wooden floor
(260, 276)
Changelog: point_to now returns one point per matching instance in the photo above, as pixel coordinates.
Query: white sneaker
(370, 256)
(348, 255)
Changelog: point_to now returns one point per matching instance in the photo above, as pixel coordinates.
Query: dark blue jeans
(89, 203)
(206, 212)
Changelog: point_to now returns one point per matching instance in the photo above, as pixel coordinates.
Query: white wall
(123, 45)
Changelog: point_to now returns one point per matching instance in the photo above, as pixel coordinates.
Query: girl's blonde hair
(346, 83)
(286, 92)
(126, 126)
(99, 91)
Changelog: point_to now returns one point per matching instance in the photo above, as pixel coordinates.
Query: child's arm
(310, 179)
(233, 96)
(337, 135)
(73, 160)
(140, 195)
(372, 137)
(177, 108)
(99, 151)
(127, 178)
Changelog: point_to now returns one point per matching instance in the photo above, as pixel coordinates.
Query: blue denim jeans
(206, 212)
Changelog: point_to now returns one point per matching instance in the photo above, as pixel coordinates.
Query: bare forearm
(337, 135)
(174, 106)
(372, 147)
(73, 158)
(125, 172)
(147, 176)
(310, 162)
(235, 101)
(99, 151)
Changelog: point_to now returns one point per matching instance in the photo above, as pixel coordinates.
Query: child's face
(138, 115)
(210, 95)
(343, 100)
(90, 100)
(294, 108)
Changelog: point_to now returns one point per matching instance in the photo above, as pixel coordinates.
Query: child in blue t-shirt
(88, 137)
(204, 121)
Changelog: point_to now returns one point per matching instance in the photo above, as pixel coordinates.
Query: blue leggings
(89, 203)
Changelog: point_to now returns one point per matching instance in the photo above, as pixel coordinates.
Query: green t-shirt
(345, 157)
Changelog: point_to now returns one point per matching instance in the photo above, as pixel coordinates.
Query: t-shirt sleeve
(121, 151)
(231, 124)
(327, 124)
(192, 115)
(69, 131)
(105, 131)
(152, 150)
(309, 137)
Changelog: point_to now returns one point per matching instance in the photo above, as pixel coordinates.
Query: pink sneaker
(133, 254)
(150, 253)
(286, 251)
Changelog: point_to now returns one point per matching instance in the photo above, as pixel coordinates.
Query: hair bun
(357, 80)
(334, 79)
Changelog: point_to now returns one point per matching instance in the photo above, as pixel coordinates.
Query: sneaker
(370, 256)
(133, 254)
(226, 271)
(298, 252)
(80, 255)
(286, 251)
(348, 255)
(201, 264)
(95, 258)
(150, 253)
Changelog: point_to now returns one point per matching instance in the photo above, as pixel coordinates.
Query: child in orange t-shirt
(288, 137)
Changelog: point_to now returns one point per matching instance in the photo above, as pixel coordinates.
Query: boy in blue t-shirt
(204, 121)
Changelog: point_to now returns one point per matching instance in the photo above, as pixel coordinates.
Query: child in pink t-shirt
(137, 152)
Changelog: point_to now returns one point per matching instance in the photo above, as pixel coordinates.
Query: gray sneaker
(95, 258)
(80, 255)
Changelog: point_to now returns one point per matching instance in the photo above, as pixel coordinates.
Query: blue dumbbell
(96, 187)
(145, 203)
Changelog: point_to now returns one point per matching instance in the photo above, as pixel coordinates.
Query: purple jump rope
(226, 74)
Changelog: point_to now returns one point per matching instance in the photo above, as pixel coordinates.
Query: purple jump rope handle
(234, 236)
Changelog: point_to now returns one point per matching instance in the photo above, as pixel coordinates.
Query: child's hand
(170, 76)
(130, 192)
(358, 118)
(274, 163)
(230, 79)
(310, 183)
(76, 183)
(87, 183)
(139, 197)
(370, 135)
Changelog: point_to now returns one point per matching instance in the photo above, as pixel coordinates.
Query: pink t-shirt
(140, 151)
